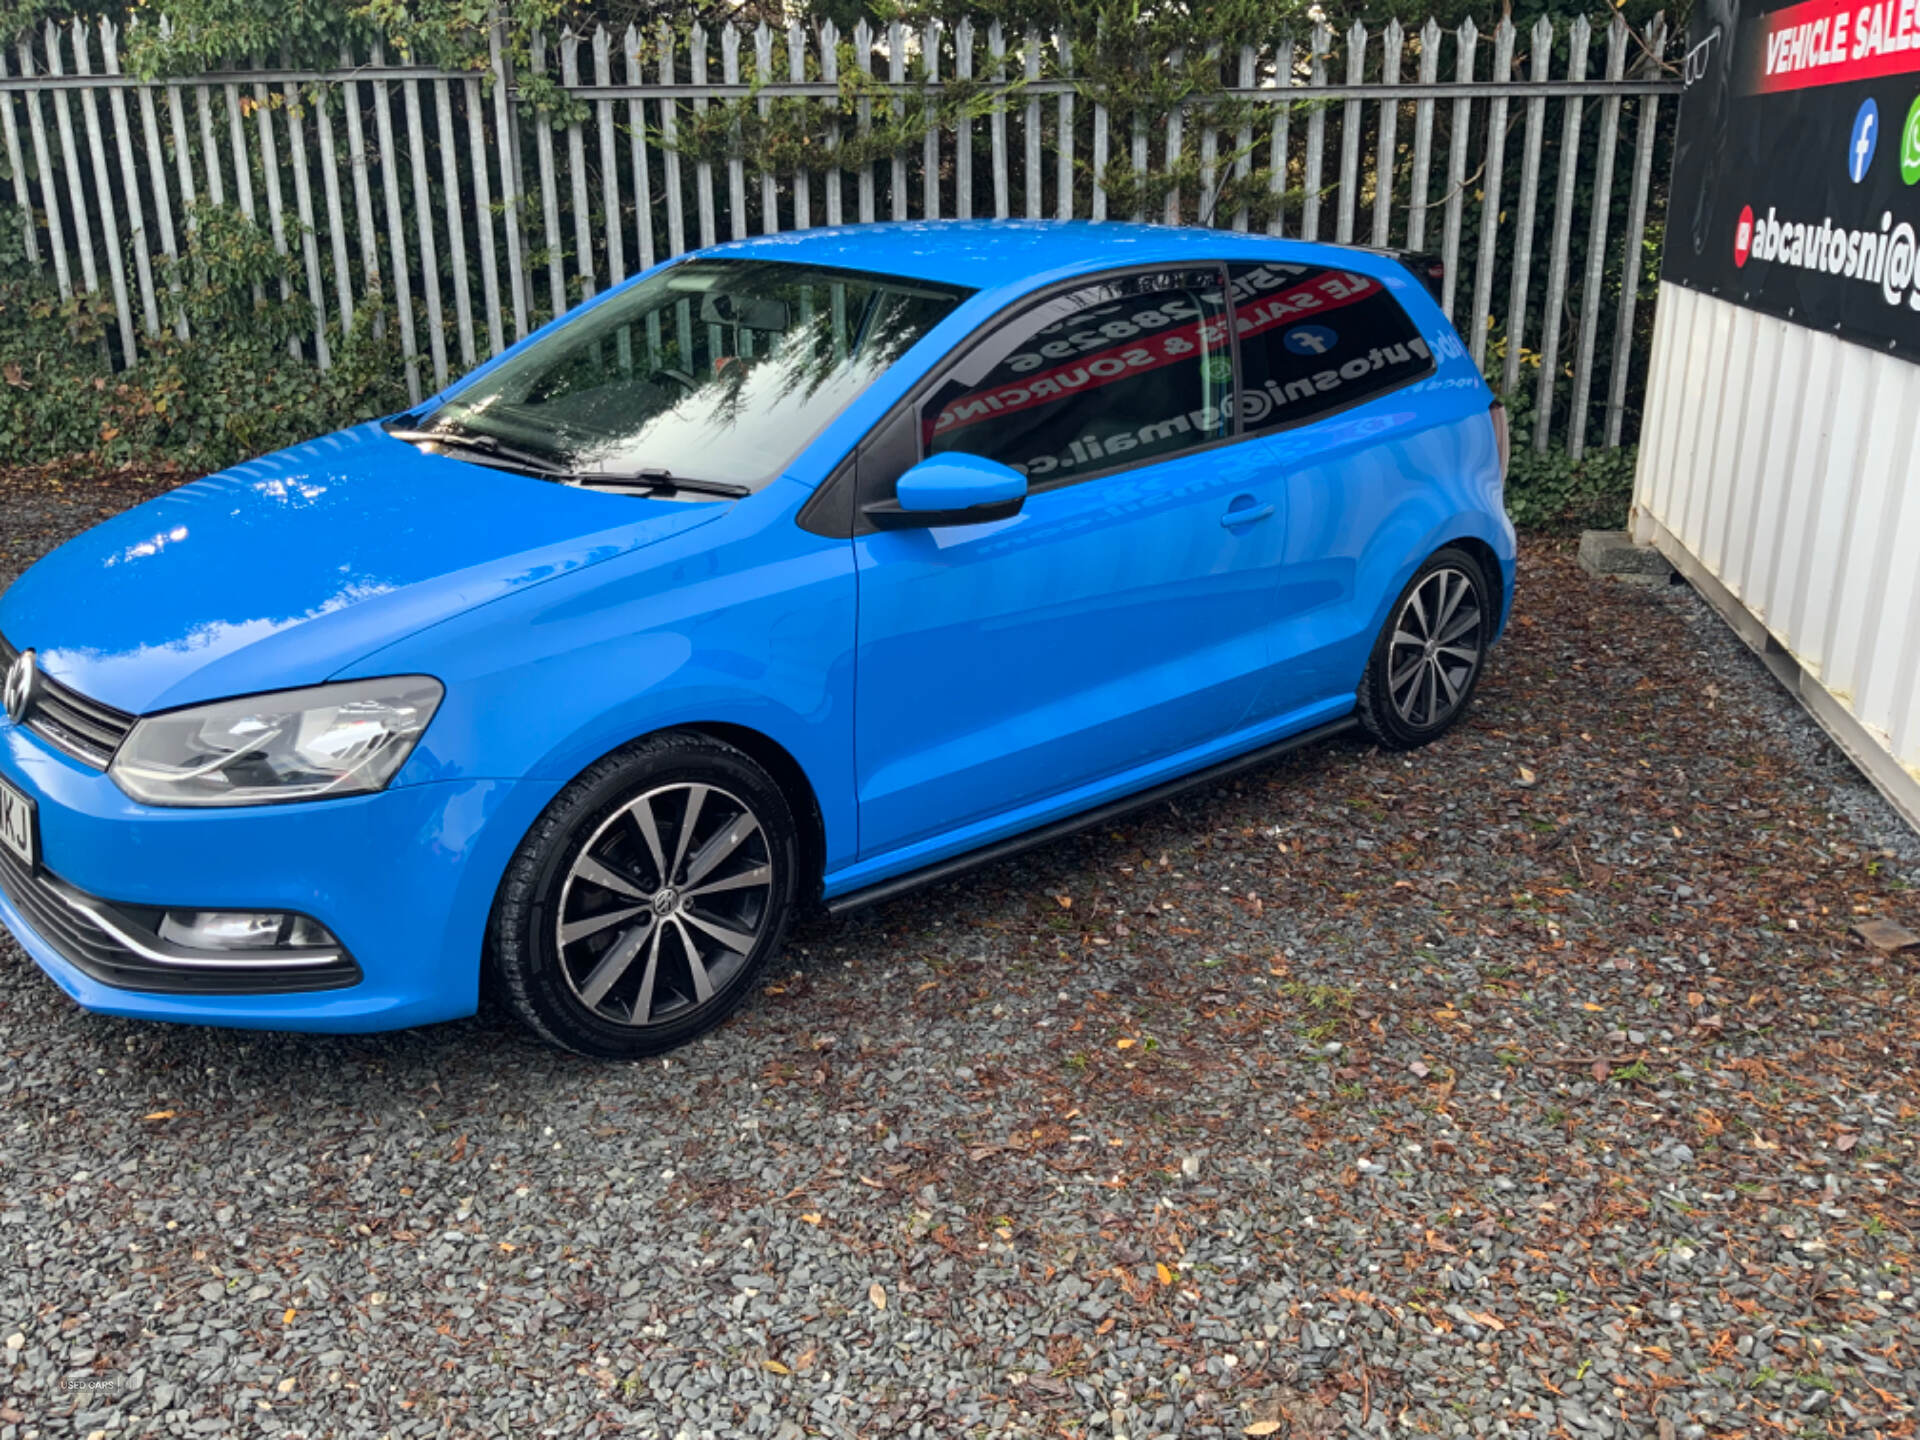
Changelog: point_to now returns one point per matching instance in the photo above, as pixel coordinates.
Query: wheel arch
(1490, 567)
(787, 772)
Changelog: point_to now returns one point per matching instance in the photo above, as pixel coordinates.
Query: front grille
(67, 720)
(116, 945)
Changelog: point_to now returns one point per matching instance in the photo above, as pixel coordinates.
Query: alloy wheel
(664, 904)
(1435, 648)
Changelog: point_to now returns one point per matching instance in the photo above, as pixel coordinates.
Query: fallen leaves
(878, 1295)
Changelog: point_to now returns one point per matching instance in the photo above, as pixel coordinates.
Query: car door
(1119, 618)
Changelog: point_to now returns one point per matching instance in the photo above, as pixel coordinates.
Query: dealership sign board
(1796, 179)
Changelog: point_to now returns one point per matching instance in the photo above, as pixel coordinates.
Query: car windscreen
(714, 370)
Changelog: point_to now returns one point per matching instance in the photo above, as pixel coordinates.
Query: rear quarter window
(1314, 340)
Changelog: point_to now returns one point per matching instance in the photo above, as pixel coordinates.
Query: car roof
(1018, 254)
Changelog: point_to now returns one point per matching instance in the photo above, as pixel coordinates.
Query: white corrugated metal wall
(1780, 470)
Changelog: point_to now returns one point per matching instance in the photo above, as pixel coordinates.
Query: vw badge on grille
(17, 692)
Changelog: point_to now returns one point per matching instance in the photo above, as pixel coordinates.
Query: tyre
(646, 898)
(1427, 660)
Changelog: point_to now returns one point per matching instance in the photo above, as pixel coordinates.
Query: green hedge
(231, 391)
(1556, 494)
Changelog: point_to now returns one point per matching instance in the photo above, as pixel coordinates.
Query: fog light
(242, 930)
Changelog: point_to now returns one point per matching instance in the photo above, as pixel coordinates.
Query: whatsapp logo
(1910, 145)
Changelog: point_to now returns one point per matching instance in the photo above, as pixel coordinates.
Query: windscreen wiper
(489, 448)
(483, 445)
(652, 480)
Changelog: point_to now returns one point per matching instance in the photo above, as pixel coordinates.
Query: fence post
(1596, 244)
(1031, 189)
(70, 152)
(16, 163)
(1350, 135)
(1313, 173)
(863, 117)
(1562, 229)
(637, 137)
(456, 222)
(897, 75)
(1387, 161)
(1209, 145)
(396, 224)
(1469, 42)
(1176, 130)
(303, 208)
(1243, 141)
(270, 178)
(336, 220)
(930, 142)
(833, 176)
(549, 195)
(1636, 233)
(483, 216)
(1423, 138)
(1102, 147)
(763, 75)
(669, 154)
(577, 168)
(103, 189)
(357, 165)
(1063, 47)
(997, 49)
(1490, 208)
(423, 223)
(703, 169)
(43, 162)
(1283, 76)
(130, 178)
(506, 137)
(802, 178)
(1542, 45)
(736, 171)
(963, 138)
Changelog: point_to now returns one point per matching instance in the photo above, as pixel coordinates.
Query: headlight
(343, 739)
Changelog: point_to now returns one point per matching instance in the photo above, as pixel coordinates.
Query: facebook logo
(1866, 135)
(1310, 340)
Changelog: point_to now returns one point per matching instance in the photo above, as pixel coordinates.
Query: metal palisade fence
(450, 206)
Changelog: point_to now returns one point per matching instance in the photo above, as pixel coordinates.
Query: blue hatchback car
(795, 571)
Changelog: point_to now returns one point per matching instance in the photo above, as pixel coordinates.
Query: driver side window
(1135, 368)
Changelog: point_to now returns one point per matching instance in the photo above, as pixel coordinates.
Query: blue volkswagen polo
(792, 572)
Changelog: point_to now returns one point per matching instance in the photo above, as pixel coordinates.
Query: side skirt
(1056, 829)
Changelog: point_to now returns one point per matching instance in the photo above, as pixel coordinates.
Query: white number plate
(16, 822)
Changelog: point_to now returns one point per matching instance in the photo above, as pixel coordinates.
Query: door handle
(1234, 519)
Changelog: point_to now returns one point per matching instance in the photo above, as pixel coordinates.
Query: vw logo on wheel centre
(17, 690)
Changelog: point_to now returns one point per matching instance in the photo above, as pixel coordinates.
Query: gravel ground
(1532, 1084)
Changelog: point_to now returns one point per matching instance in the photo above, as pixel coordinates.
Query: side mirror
(951, 489)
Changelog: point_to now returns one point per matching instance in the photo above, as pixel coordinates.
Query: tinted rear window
(1314, 340)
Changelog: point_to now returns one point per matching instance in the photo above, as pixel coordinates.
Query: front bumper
(404, 878)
